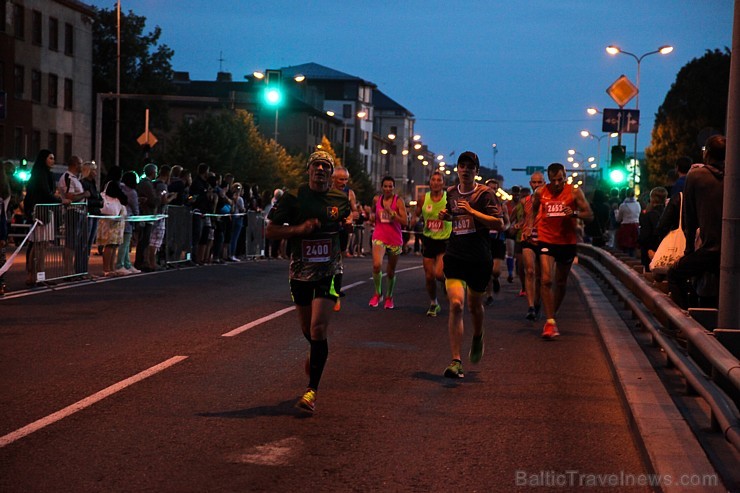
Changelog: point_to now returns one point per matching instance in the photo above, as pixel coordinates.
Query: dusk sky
(518, 74)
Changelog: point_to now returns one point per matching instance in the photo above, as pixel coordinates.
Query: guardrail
(661, 317)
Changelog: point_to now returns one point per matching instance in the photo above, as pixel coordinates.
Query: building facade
(46, 78)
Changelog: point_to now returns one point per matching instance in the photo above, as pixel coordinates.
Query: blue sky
(519, 74)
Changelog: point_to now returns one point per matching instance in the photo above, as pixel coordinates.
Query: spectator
(110, 231)
(598, 229)
(199, 200)
(70, 189)
(649, 238)
(272, 246)
(669, 219)
(39, 190)
(128, 187)
(238, 212)
(158, 228)
(94, 201)
(5, 211)
(177, 185)
(703, 196)
(149, 202)
(628, 217)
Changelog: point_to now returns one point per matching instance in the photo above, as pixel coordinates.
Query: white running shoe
(133, 270)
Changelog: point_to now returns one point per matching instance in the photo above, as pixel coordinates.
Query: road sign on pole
(534, 169)
(620, 120)
(622, 90)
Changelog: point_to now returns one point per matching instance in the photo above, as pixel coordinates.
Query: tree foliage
(229, 142)
(145, 69)
(695, 107)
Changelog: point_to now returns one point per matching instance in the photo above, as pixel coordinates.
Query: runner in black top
(311, 218)
(474, 211)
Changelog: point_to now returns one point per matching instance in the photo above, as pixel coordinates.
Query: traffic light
(617, 167)
(273, 92)
(22, 173)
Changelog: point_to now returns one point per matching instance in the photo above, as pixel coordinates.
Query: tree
(145, 69)
(230, 143)
(694, 108)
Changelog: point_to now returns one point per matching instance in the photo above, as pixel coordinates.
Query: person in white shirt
(75, 239)
(628, 217)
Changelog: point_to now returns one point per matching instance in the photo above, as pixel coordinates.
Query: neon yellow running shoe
(434, 310)
(308, 401)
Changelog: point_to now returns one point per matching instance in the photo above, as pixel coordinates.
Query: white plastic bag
(671, 249)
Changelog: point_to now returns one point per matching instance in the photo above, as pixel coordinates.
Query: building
(46, 78)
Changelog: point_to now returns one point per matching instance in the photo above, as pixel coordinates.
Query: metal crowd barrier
(719, 383)
(59, 242)
(178, 234)
(255, 234)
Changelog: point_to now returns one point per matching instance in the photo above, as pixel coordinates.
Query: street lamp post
(587, 134)
(494, 147)
(614, 50)
(587, 161)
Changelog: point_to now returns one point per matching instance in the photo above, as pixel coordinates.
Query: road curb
(668, 443)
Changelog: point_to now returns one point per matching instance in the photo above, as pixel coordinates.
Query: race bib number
(463, 225)
(385, 217)
(316, 250)
(555, 209)
(435, 225)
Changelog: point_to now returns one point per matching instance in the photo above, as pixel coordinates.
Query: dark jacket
(703, 206)
(94, 201)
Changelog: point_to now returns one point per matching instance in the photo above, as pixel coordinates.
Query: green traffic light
(23, 175)
(273, 96)
(617, 176)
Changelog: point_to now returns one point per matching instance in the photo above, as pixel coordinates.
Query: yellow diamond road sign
(622, 90)
(147, 138)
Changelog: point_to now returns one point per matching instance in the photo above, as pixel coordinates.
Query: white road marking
(272, 454)
(257, 322)
(86, 402)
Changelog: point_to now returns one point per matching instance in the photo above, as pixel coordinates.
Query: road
(215, 411)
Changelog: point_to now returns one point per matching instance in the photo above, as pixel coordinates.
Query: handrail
(667, 313)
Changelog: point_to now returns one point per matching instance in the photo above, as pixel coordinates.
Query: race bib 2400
(316, 250)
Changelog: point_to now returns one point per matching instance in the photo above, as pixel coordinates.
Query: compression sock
(391, 286)
(510, 265)
(319, 354)
(377, 280)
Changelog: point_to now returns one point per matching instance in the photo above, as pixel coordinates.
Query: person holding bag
(110, 231)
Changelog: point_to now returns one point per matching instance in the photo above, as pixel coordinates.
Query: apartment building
(46, 78)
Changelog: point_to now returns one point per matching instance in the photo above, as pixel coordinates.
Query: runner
(340, 181)
(311, 218)
(498, 245)
(531, 253)
(389, 215)
(557, 207)
(434, 237)
(473, 211)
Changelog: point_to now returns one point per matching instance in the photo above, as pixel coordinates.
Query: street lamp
(495, 151)
(587, 134)
(615, 50)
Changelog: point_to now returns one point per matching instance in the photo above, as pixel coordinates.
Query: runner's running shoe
(531, 315)
(550, 331)
(522, 293)
(308, 401)
(476, 349)
(454, 370)
(510, 279)
(389, 304)
(433, 310)
(337, 305)
(489, 301)
(496, 285)
(375, 300)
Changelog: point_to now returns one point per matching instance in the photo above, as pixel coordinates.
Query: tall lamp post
(587, 162)
(586, 134)
(494, 147)
(614, 50)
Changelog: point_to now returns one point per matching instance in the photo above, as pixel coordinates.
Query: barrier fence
(58, 245)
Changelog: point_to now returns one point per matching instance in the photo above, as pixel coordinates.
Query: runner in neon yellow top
(436, 233)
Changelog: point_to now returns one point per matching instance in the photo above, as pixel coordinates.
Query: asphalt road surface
(185, 381)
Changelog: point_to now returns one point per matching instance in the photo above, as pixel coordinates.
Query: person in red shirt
(557, 206)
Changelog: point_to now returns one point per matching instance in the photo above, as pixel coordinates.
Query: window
(347, 110)
(19, 80)
(53, 90)
(35, 142)
(53, 34)
(67, 147)
(365, 139)
(69, 39)
(18, 142)
(19, 21)
(68, 94)
(36, 27)
(394, 131)
(347, 133)
(53, 143)
(35, 86)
